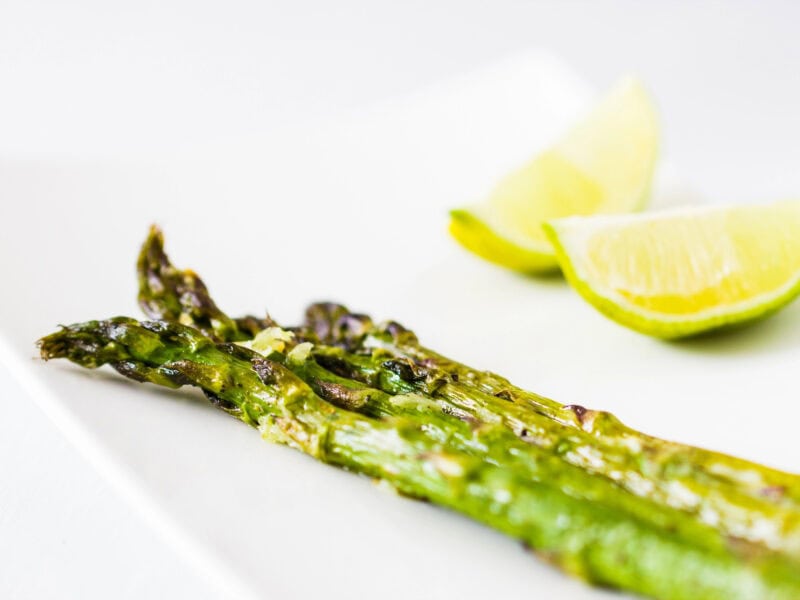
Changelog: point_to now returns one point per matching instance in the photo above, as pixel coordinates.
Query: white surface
(65, 532)
(89, 78)
(253, 517)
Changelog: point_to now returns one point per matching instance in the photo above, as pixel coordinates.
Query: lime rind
(661, 325)
(475, 235)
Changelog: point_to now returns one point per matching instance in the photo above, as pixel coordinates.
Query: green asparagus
(602, 501)
(574, 519)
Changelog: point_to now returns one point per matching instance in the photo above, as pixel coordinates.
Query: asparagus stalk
(583, 523)
(735, 496)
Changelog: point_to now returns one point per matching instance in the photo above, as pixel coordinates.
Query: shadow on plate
(774, 333)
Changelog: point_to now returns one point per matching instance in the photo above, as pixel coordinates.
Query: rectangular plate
(354, 212)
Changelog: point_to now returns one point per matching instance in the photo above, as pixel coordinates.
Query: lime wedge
(682, 272)
(603, 165)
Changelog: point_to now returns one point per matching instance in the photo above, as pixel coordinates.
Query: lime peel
(475, 235)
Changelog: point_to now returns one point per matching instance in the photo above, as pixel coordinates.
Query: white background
(83, 78)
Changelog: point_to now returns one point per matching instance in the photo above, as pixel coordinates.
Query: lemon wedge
(679, 273)
(604, 164)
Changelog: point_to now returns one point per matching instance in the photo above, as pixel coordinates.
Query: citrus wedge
(602, 165)
(678, 273)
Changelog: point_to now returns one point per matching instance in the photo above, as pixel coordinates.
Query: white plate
(354, 212)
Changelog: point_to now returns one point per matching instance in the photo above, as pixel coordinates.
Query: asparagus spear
(582, 522)
(181, 294)
(735, 496)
